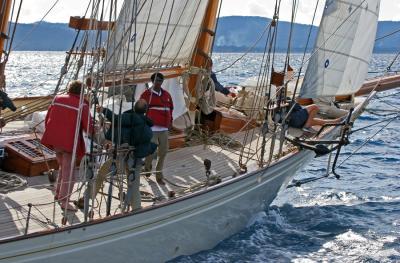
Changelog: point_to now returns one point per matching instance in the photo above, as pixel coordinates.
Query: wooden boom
(89, 24)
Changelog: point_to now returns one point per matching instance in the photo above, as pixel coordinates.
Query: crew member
(135, 131)
(59, 135)
(306, 117)
(160, 107)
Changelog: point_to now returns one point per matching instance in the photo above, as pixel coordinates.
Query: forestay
(153, 33)
(345, 41)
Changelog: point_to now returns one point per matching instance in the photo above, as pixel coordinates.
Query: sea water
(354, 219)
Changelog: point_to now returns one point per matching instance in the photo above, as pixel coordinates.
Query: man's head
(157, 79)
(75, 87)
(141, 106)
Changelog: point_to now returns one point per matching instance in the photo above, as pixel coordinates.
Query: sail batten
(345, 41)
(160, 33)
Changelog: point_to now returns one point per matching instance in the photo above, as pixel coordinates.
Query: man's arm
(218, 86)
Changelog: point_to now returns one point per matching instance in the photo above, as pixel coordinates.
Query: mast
(201, 57)
(4, 14)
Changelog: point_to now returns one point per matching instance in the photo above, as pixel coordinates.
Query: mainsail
(345, 41)
(154, 33)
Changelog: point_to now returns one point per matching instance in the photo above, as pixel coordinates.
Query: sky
(34, 10)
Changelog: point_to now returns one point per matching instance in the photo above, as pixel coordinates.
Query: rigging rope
(216, 27)
(388, 35)
(247, 51)
(14, 29)
(298, 183)
(10, 182)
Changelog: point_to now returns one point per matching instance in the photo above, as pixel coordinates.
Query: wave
(307, 234)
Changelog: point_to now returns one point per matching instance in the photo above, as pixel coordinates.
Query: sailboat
(216, 184)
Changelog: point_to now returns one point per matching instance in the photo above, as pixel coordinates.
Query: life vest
(60, 124)
(159, 107)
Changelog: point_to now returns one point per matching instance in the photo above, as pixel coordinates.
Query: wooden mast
(201, 57)
(5, 13)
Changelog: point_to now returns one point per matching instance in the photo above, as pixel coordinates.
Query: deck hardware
(28, 218)
(52, 175)
(243, 169)
(320, 147)
(171, 194)
(344, 140)
(207, 166)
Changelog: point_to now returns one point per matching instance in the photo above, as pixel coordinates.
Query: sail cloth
(345, 41)
(173, 86)
(153, 33)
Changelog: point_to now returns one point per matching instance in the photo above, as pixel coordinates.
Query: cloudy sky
(34, 10)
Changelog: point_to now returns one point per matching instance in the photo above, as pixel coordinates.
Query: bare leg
(312, 120)
(312, 112)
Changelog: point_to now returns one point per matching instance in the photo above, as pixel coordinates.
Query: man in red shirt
(160, 107)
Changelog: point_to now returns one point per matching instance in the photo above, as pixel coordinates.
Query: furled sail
(345, 41)
(153, 33)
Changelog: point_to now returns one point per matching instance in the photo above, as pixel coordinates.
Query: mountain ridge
(234, 34)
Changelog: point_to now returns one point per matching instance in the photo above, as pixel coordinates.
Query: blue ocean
(354, 219)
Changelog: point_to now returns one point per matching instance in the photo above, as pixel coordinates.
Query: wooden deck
(184, 172)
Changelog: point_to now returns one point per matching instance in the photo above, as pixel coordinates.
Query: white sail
(343, 49)
(152, 33)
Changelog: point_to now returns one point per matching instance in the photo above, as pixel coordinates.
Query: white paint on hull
(181, 228)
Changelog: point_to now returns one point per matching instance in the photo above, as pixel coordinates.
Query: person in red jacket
(160, 107)
(59, 135)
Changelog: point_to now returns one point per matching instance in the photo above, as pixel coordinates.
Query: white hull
(185, 227)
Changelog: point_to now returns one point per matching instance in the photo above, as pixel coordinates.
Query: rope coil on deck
(11, 182)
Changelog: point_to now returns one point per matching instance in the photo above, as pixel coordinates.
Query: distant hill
(44, 37)
(238, 33)
(234, 34)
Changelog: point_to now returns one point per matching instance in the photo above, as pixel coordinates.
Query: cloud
(258, 9)
(33, 10)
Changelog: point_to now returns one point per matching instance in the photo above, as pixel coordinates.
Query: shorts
(298, 117)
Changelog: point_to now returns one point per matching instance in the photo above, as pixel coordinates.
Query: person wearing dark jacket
(218, 85)
(135, 131)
